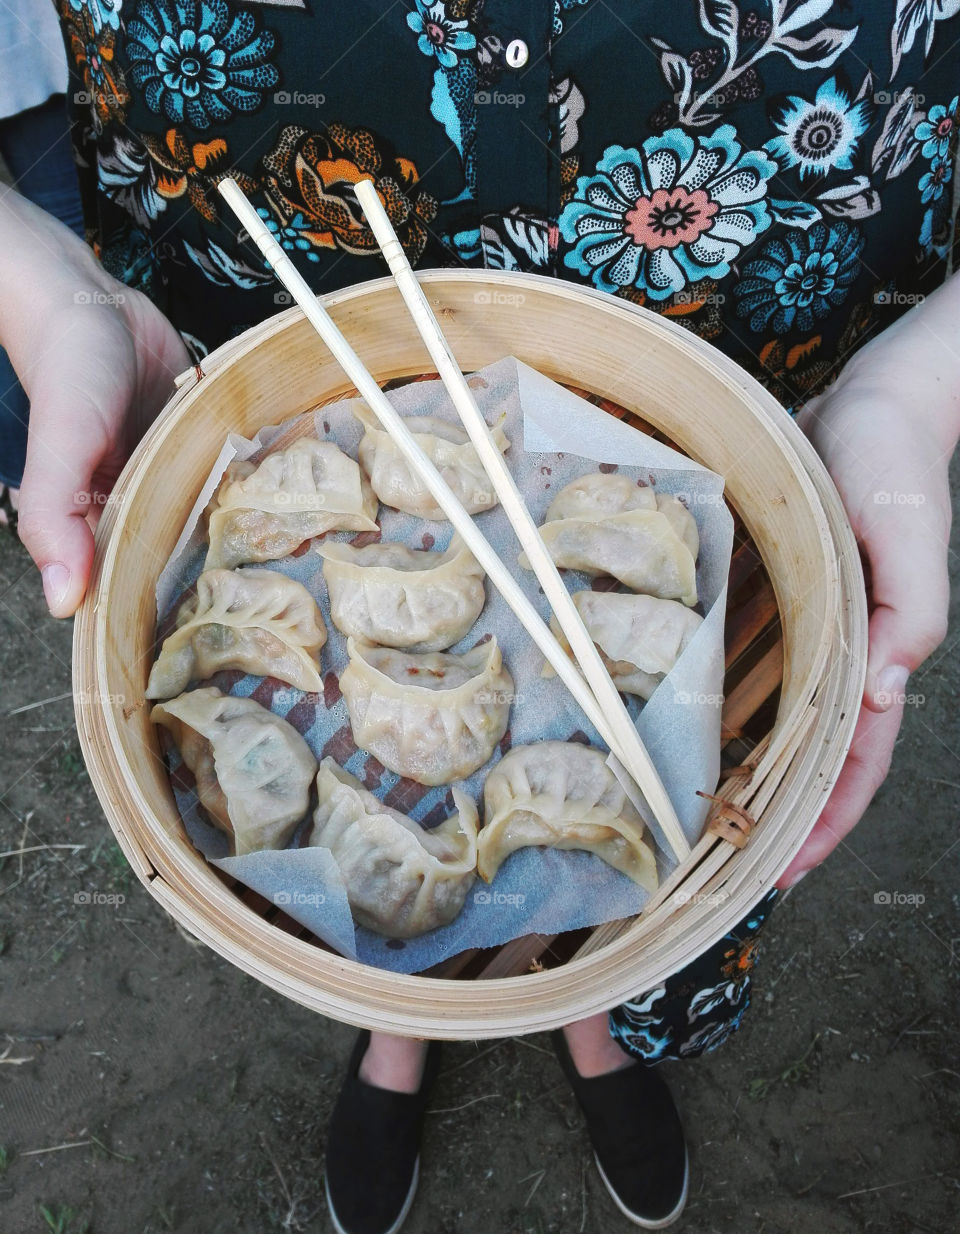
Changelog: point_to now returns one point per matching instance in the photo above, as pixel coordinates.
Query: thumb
(907, 551)
(63, 455)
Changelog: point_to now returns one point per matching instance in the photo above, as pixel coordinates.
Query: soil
(146, 1085)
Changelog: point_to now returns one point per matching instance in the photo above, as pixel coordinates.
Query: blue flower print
(821, 136)
(934, 181)
(799, 278)
(199, 61)
(937, 130)
(102, 12)
(439, 35)
(289, 235)
(677, 211)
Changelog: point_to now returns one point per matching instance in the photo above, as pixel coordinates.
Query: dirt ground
(147, 1086)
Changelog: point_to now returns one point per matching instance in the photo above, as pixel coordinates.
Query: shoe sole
(645, 1223)
(404, 1212)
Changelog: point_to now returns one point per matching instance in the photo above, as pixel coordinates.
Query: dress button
(518, 53)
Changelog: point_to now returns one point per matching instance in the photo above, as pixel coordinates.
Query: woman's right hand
(97, 361)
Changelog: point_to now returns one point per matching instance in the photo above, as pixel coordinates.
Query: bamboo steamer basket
(796, 641)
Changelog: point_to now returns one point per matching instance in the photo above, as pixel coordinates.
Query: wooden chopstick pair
(600, 700)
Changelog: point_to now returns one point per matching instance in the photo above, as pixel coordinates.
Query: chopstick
(287, 273)
(637, 762)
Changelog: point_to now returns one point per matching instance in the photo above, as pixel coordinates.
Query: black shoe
(373, 1149)
(637, 1139)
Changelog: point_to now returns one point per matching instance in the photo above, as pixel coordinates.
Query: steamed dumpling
(563, 795)
(253, 769)
(448, 447)
(599, 494)
(258, 621)
(401, 597)
(401, 879)
(434, 717)
(640, 638)
(616, 531)
(306, 490)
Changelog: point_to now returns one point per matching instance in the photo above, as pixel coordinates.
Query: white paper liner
(555, 437)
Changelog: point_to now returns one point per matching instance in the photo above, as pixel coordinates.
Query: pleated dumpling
(616, 531)
(598, 494)
(257, 621)
(640, 638)
(434, 716)
(563, 795)
(401, 879)
(401, 597)
(448, 447)
(253, 769)
(305, 490)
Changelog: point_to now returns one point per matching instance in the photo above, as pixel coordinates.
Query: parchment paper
(555, 437)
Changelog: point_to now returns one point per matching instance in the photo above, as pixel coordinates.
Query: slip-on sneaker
(373, 1149)
(637, 1139)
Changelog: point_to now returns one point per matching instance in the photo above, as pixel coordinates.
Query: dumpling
(563, 795)
(640, 638)
(401, 597)
(448, 447)
(306, 490)
(434, 717)
(599, 494)
(401, 879)
(639, 545)
(258, 621)
(253, 769)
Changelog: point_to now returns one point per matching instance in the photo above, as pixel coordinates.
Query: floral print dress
(775, 175)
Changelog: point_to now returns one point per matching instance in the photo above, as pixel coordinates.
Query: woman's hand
(886, 431)
(97, 361)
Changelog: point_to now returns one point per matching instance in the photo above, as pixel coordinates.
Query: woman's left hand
(886, 430)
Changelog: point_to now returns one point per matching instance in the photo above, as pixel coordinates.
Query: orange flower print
(193, 170)
(103, 82)
(313, 174)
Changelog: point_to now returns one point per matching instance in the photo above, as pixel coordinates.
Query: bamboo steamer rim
(792, 779)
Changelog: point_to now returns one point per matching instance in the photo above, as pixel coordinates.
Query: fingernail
(890, 684)
(56, 580)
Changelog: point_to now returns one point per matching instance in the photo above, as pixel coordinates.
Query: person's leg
(394, 1063)
(378, 1118)
(593, 1050)
(35, 147)
(632, 1120)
